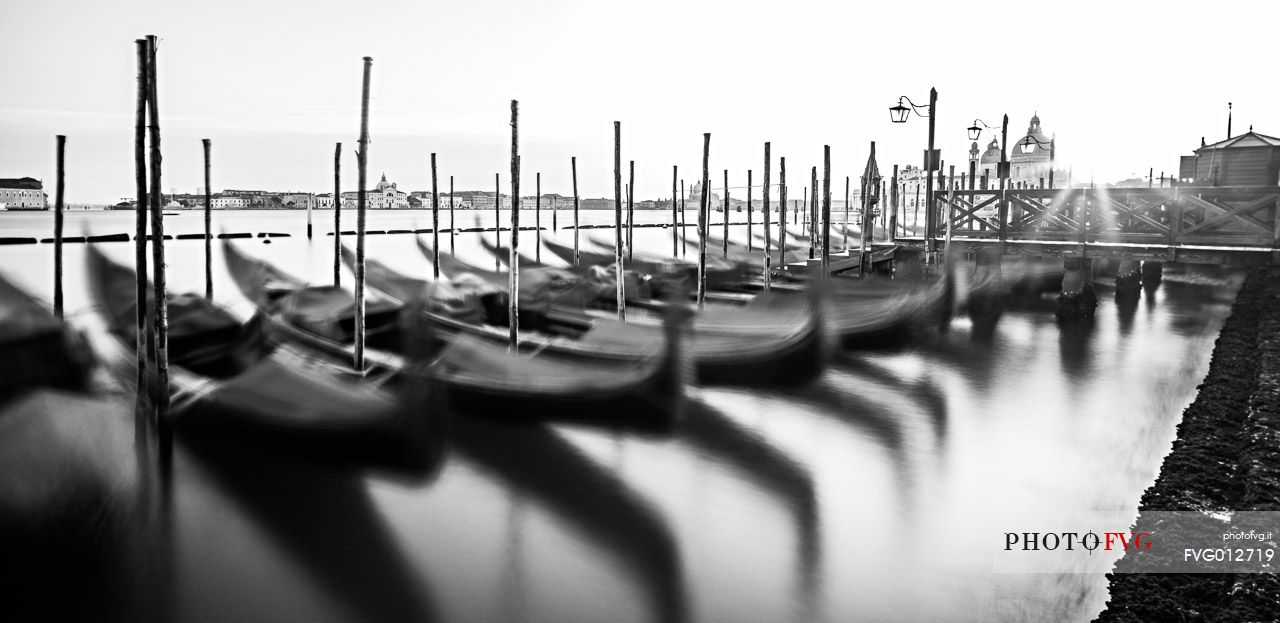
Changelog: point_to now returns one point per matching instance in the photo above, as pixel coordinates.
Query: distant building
(384, 196)
(222, 201)
(23, 193)
(1250, 159)
(300, 201)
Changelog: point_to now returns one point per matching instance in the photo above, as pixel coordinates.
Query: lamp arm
(915, 108)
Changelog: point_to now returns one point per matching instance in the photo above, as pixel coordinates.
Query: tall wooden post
(804, 207)
(768, 240)
(725, 241)
(750, 233)
(893, 208)
(362, 160)
(617, 220)
(930, 222)
(337, 215)
(951, 201)
(631, 212)
(537, 218)
(1003, 173)
(573, 164)
(704, 218)
(208, 220)
(497, 218)
(513, 261)
(846, 212)
(684, 224)
(675, 213)
(826, 210)
(144, 342)
(160, 395)
(435, 222)
(61, 142)
(453, 229)
(867, 220)
(811, 214)
(782, 211)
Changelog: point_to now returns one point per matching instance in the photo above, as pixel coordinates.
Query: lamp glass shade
(898, 113)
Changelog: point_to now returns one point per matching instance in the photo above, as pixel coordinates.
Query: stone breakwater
(1226, 456)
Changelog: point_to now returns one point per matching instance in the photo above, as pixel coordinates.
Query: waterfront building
(1250, 159)
(223, 201)
(23, 193)
(384, 196)
(298, 200)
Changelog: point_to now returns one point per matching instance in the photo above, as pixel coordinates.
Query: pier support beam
(986, 294)
(1077, 300)
(1152, 273)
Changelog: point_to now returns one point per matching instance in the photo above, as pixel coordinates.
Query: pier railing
(1235, 216)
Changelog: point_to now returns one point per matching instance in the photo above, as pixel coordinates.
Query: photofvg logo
(1158, 542)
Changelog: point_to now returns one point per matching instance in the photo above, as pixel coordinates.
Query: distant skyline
(1123, 87)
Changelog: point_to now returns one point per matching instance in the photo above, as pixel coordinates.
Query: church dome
(992, 154)
(1038, 149)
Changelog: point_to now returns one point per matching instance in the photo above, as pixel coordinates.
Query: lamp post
(899, 114)
(1002, 169)
(1031, 143)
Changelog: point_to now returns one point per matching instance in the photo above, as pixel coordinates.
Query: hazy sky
(1124, 85)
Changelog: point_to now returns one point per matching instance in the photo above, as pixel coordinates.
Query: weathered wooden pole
(61, 142)
(160, 391)
(513, 258)
(846, 213)
(497, 218)
(537, 217)
(725, 241)
(767, 234)
(555, 211)
(573, 164)
(704, 218)
(826, 211)
(811, 214)
(453, 229)
(804, 207)
(867, 220)
(208, 221)
(684, 224)
(675, 214)
(782, 211)
(631, 212)
(951, 199)
(435, 222)
(617, 221)
(337, 215)
(143, 342)
(750, 233)
(362, 160)
(893, 207)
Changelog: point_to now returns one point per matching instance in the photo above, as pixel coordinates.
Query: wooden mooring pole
(537, 218)
(893, 207)
(826, 211)
(497, 218)
(782, 211)
(767, 237)
(208, 219)
(513, 263)
(812, 214)
(846, 212)
(435, 222)
(750, 240)
(725, 241)
(704, 218)
(160, 391)
(337, 215)
(362, 160)
(675, 213)
(617, 221)
(684, 224)
(61, 141)
(631, 212)
(140, 236)
(573, 164)
(453, 229)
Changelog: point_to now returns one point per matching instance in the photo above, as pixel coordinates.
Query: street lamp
(899, 114)
(1031, 143)
(975, 130)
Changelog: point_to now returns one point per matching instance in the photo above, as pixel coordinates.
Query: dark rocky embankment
(1226, 456)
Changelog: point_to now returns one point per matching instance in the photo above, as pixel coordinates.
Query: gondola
(721, 275)
(777, 339)
(477, 371)
(40, 350)
(226, 380)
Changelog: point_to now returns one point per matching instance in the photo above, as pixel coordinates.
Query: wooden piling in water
(453, 229)
(337, 215)
(684, 224)
(61, 142)
(866, 222)
(537, 218)
(617, 221)
(782, 211)
(811, 214)
(750, 240)
(362, 160)
(675, 215)
(573, 164)
(143, 341)
(826, 211)
(726, 213)
(846, 212)
(160, 391)
(767, 239)
(513, 263)
(497, 218)
(893, 207)
(804, 206)
(704, 218)
(208, 220)
(631, 212)
(435, 222)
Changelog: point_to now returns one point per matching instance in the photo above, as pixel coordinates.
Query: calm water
(872, 493)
